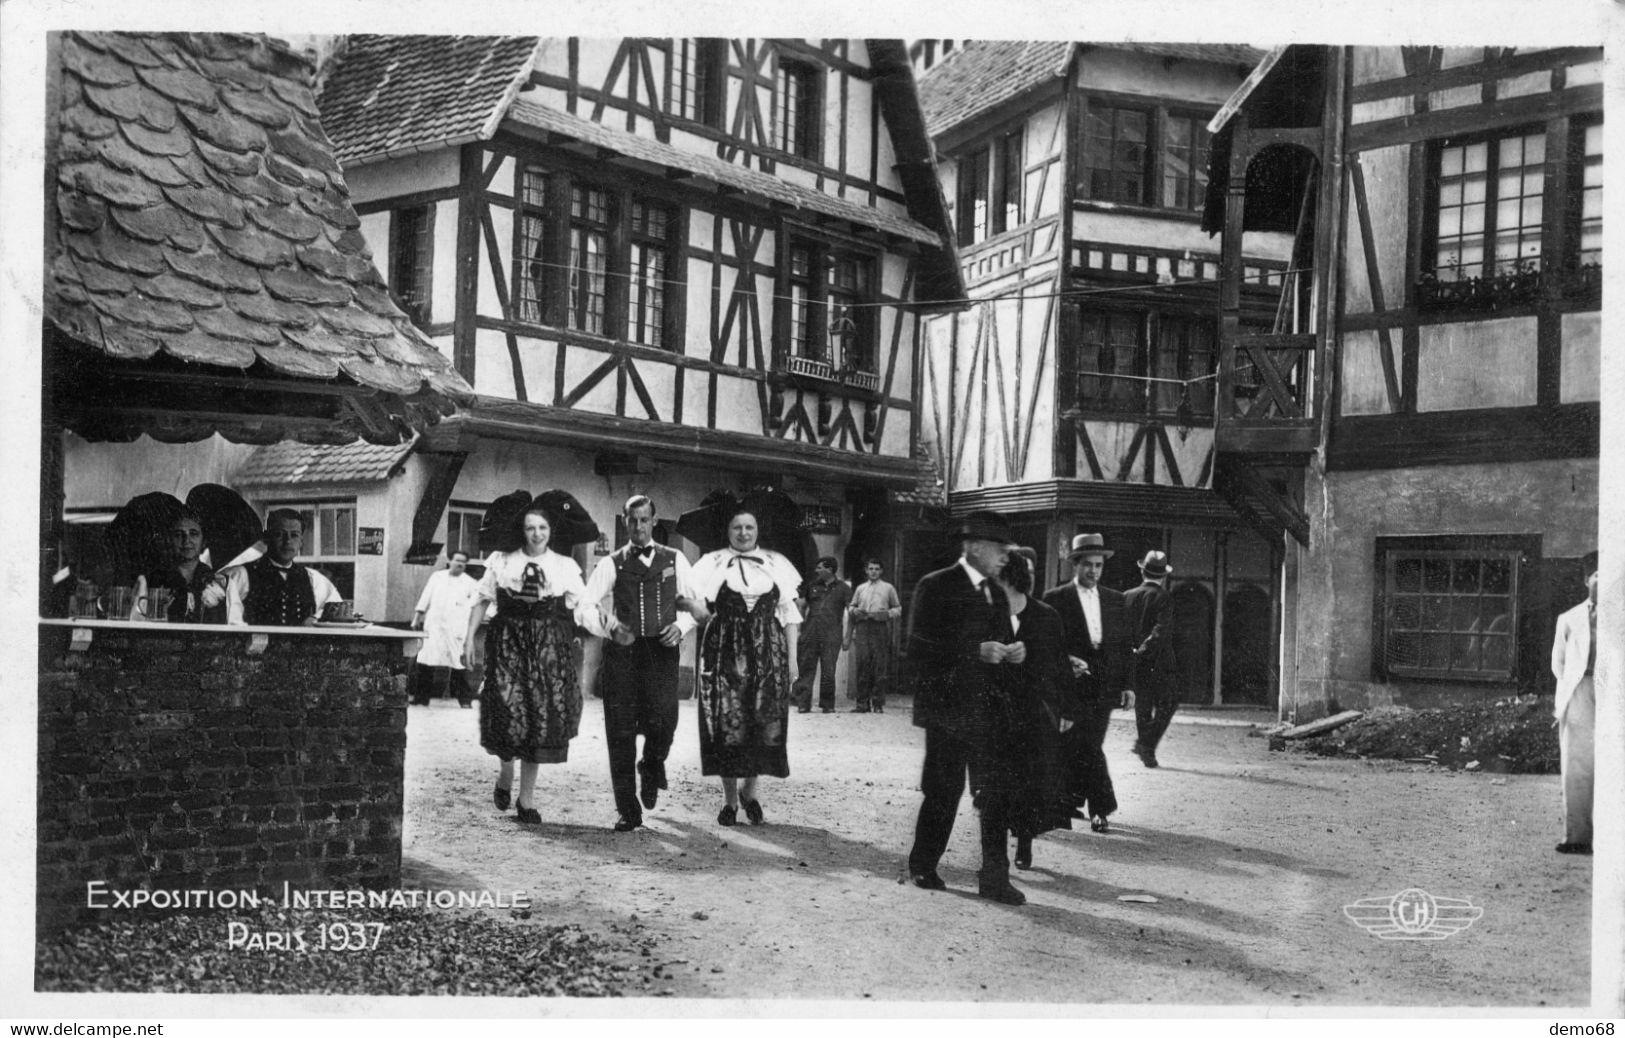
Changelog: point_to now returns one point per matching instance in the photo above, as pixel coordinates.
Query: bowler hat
(1089, 544)
(1155, 565)
(983, 525)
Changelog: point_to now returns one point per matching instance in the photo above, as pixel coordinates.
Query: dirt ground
(1250, 855)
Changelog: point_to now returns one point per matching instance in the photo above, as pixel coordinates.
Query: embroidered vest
(275, 601)
(645, 595)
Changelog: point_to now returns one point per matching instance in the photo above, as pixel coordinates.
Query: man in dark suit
(959, 637)
(1156, 693)
(1096, 628)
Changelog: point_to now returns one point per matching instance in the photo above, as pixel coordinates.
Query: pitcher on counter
(273, 590)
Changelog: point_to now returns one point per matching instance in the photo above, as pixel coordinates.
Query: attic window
(798, 108)
(411, 261)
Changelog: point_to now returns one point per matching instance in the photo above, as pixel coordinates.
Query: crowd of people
(1014, 690)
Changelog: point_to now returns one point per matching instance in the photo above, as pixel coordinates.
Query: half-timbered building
(1451, 201)
(1079, 391)
(667, 266)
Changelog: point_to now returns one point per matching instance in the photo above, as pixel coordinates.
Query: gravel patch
(413, 953)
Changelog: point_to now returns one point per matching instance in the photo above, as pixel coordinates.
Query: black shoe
(652, 779)
(1574, 848)
(1003, 893)
(826, 709)
(753, 811)
(1024, 854)
(501, 797)
(420, 702)
(466, 704)
(879, 708)
(803, 709)
(625, 824)
(1099, 824)
(859, 710)
(927, 880)
(529, 816)
(729, 815)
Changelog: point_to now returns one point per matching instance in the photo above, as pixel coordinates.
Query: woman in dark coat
(747, 662)
(1038, 700)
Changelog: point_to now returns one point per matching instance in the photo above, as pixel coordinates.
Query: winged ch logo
(1413, 915)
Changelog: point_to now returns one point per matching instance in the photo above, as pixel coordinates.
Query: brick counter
(190, 757)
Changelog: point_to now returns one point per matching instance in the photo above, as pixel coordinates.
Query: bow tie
(645, 553)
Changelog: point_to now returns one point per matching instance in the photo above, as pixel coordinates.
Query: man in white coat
(1574, 658)
(442, 615)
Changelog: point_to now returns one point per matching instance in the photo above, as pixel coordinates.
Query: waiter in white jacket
(1574, 658)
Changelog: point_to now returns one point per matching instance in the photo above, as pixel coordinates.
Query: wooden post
(1221, 572)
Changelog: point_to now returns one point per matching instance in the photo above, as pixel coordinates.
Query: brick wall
(175, 760)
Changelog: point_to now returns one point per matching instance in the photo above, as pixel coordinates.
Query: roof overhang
(539, 424)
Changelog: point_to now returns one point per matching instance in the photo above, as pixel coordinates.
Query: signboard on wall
(369, 540)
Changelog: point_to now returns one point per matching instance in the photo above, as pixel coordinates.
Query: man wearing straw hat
(1096, 633)
(1156, 695)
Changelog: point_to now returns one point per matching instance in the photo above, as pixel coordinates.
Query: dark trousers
(942, 780)
(1154, 712)
(818, 649)
(871, 662)
(430, 682)
(1083, 746)
(639, 687)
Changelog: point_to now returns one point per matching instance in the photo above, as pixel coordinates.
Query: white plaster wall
(1476, 364)
(1363, 388)
(1387, 185)
(1370, 64)
(403, 176)
(1582, 357)
(1192, 82)
(108, 475)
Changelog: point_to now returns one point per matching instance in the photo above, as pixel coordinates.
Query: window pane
(1408, 574)
(344, 532)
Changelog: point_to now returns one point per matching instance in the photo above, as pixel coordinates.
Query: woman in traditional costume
(530, 699)
(747, 658)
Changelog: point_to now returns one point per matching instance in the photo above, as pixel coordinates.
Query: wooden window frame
(1150, 360)
(699, 70)
(815, 352)
(457, 516)
(551, 293)
(1492, 287)
(1155, 168)
(1518, 552)
(798, 114)
(992, 175)
(411, 261)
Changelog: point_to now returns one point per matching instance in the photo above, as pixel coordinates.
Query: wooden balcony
(1266, 402)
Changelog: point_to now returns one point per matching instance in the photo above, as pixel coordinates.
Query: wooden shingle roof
(298, 464)
(197, 221)
(984, 74)
(393, 95)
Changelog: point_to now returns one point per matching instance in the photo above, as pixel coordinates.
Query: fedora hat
(1089, 544)
(1155, 565)
(983, 525)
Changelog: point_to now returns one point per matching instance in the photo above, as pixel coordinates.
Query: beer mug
(155, 607)
(119, 602)
(82, 604)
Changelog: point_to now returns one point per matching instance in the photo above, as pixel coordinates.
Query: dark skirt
(530, 700)
(744, 689)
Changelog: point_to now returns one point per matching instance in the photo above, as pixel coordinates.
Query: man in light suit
(1574, 658)
(1097, 643)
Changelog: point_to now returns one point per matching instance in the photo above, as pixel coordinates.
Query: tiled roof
(986, 73)
(928, 489)
(285, 464)
(755, 182)
(198, 214)
(387, 95)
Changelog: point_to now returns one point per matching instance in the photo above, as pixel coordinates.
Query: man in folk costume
(273, 590)
(959, 641)
(1574, 662)
(1152, 664)
(442, 615)
(1096, 641)
(638, 598)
